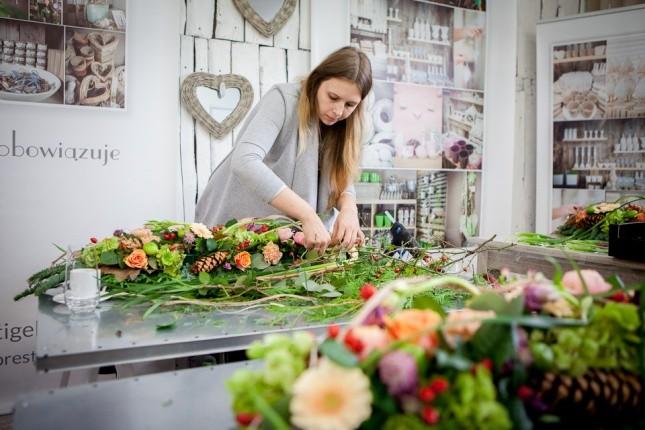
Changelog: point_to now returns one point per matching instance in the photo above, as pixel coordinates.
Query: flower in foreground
(330, 397)
(414, 325)
(242, 260)
(271, 253)
(372, 338)
(398, 371)
(573, 282)
(200, 230)
(145, 235)
(462, 324)
(137, 259)
(299, 238)
(284, 234)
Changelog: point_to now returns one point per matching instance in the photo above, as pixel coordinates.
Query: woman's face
(336, 100)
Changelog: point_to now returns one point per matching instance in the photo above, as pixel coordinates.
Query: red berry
(332, 331)
(367, 290)
(426, 394)
(245, 418)
(357, 346)
(93, 239)
(439, 385)
(487, 363)
(524, 392)
(173, 235)
(430, 415)
(397, 270)
(619, 296)
(264, 228)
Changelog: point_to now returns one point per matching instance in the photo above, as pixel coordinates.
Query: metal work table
(116, 336)
(192, 398)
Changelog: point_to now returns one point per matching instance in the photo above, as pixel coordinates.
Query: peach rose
(594, 281)
(137, 259)
(299, 238)
(272, 254)
(462, 324)
(372, 338)
(416, 325)
(242, 260)
(145, 235)
(285, 234)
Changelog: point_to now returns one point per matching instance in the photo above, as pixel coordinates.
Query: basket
(367, 191)
(104, 45)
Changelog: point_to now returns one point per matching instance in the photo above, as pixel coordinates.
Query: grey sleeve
(257, 139)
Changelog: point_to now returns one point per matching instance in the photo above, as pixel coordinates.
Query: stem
(185, 301)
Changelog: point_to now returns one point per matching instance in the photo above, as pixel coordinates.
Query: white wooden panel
(219, 62)
(202, 136)
(273, 68)
(251, 35)
(297, 64)
(182, 16)
(187, 135)
(305, 29)
(199, 21)
(245, 61)
(287, 37)
(229, 23)
(569, 7)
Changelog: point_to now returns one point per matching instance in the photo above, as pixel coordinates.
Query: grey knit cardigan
(264, 161)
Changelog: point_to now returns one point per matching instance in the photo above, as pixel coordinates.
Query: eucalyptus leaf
(455, 361)
(331, 294)
(166, 326)
(492, 341)
(204, 278)
(109, 258)
(337, 353)
(258, 262)
(489, 302)
(211, 245)
(230, 223)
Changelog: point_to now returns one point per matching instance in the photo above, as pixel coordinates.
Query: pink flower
(398, 371)
(272, 254)
(572, 282)
(372, 338)
(299, 238)
(285, 234)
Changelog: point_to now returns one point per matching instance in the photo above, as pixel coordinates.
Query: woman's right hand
(316, 235)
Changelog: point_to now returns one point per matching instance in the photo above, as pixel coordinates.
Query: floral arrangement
(587, 229)
(535, 351)
(251, 262)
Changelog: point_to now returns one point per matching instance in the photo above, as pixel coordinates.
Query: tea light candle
(84, 283)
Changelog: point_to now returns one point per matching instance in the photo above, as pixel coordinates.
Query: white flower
(201, 230)
(330, 397)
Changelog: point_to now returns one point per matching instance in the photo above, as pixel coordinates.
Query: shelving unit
(577, 59)
(583, 140)
(430, 42)
(475, 102)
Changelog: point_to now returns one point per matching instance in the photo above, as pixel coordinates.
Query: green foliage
(404, 422)
(337, 353)
(170, 260)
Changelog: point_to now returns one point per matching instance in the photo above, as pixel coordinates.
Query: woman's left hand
(347, 230)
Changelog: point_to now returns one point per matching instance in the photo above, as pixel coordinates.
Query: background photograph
(102, 14)
(18, 9)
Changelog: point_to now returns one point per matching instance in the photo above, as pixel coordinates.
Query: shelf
(600, 119)
(386, 202)
(618, 169)
(576, 59)
(583, 140)
(367, 33)
(642, 151)
(387, 228)
(394, 19)
(460, 122)
(429, 42)
(413, 60)
(475, 102)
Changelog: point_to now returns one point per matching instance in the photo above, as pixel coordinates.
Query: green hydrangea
(170, 260)
(91, 255)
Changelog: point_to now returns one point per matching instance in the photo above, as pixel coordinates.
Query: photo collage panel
(428, 67)
(63, 52)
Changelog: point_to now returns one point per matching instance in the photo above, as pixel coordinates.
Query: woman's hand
(316, 235)
(347, 230)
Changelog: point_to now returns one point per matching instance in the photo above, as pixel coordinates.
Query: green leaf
(616, 282)
(211, 245)
(332, 294)
(493, 341)
(230, 223)
(204, 278)
(257, 262)
(312, 254)
(427, 302)
(268, 413)
(337, 353)
(557, 270)
(109, 258)
(455, 361)
(488, 302)
(166, 326)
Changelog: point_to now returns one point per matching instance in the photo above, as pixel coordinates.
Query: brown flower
(272, 254)
(137, 259)
(129, 243)
(242, 260)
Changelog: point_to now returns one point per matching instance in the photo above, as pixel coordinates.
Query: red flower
(430, 415)
(243, 245)
(426, 394)
(245, 418)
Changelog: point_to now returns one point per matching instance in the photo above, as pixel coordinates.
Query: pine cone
(209, 262)
(596, 393)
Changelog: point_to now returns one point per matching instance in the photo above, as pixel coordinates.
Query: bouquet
(587, 229)
(534, 351)
(246, 263)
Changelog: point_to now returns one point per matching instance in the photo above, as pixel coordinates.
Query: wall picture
(63, 52)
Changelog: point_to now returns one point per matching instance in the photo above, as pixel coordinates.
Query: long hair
(339, 143)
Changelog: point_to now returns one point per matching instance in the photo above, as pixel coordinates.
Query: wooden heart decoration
(214, 82)
(267, 28)
(103, 71)
(101, 39)
(93, 91)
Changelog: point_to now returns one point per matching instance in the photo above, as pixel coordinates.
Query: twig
(184, 301)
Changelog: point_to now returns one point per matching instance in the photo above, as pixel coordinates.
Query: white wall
(45, 201)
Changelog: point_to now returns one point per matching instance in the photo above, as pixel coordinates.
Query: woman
(298, 154)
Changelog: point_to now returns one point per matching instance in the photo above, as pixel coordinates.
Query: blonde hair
(341, 143)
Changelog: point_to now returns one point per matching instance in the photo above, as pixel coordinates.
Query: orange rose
(242, 260)
(415, 325)
(137, 259)
(462, 324)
